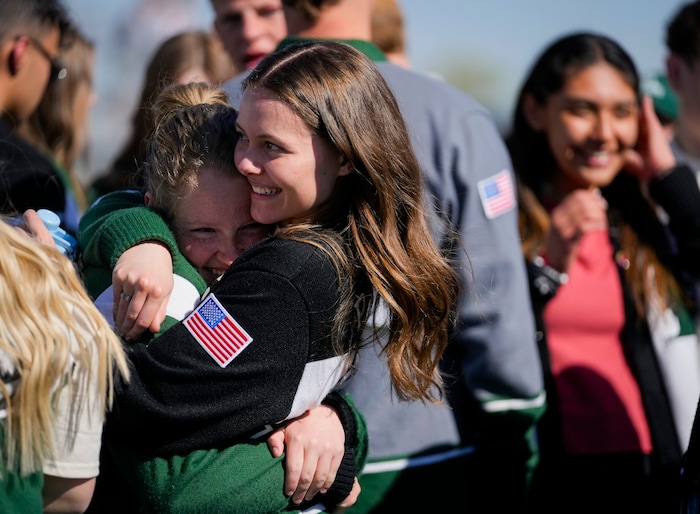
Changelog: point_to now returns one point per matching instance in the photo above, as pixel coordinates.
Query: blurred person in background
(192, 56)
(58, 126)
(31, 35)
(609, 289)
(249, 29)
(683, 73)
(388, 31)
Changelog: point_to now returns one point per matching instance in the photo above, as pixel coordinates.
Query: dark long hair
(638, 235)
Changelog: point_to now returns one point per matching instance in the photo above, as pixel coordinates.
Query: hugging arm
(309, 445)
(316, 446)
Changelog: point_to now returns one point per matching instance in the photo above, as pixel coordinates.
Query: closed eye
(202, 232)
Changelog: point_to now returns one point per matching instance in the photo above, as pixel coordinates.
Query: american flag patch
(497, 195)
(217, 332)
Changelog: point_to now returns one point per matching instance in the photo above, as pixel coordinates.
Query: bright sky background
(503, 37)
(490, 42)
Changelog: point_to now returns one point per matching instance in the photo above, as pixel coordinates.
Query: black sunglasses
(58, 71)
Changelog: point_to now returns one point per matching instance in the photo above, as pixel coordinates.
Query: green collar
(367, 48)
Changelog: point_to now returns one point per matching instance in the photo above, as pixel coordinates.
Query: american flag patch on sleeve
(497, 194)
(217, 332)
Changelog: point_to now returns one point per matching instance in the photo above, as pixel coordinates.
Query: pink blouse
(599, 399)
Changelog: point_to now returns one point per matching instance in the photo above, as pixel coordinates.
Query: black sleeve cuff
(336, 401)
(677, 192)
(344, 480)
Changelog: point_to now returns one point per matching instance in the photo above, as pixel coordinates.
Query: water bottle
(66, 243)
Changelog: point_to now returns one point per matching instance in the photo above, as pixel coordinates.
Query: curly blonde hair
(51, 337)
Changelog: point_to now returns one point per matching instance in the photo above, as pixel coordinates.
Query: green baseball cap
(665, 100)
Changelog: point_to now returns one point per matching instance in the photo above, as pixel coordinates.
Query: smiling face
(291, 170)
(212, 222)
(249, 29)
(589, 124)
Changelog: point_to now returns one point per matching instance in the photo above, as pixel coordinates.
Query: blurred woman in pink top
(607, 280)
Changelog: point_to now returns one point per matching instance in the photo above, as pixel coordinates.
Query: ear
(148, 199)
(531, 112)
(674, 66)
(16, 55)
(345, 167)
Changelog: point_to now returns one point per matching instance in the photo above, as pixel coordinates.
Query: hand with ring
(142, 282)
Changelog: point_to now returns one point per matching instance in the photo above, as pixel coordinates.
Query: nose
(604, 127)
(250, 26)
(228, 252)
(245, 163)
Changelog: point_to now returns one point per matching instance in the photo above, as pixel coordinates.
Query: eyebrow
(592, 103)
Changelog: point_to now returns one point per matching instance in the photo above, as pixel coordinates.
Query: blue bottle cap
(50, 219)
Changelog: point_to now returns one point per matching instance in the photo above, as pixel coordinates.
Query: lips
(252, 60)
(599, 159)
(595, 159)
(265, 191)
(211, 274)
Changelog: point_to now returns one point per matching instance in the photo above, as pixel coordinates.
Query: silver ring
(125, 297)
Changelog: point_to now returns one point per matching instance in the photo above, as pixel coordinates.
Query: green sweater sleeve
(117, 222)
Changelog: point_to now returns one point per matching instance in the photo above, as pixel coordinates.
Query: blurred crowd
(316, 279)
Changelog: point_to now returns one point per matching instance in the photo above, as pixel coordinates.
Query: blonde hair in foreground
(48, 325)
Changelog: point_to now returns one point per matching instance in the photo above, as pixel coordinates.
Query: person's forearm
(67, 495)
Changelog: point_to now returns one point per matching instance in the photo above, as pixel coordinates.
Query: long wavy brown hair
(375, 221)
